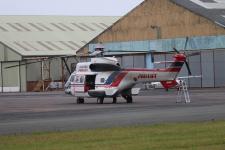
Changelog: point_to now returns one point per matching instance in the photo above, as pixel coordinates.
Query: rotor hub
(179, 57)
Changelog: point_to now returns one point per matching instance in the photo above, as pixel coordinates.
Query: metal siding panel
(149, 63)
(126, 45)
(34, 72)
(56, 69)
(140, 45)
(112, 46)
(139, 61)
(219, 61)
(195, 66)
(2, 52)
(194, 43)
(127, 61)
(12, 56)
(11, 77)
(71, 61)
(155, 45)
(23, 78)
(1, 76)
(159, 58)
(40, 28)
(207, 69)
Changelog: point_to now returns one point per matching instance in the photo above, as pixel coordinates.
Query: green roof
(51, 35)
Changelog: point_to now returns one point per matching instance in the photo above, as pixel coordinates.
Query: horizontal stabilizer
(188, 77)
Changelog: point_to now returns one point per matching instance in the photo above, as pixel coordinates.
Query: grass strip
(193, 136)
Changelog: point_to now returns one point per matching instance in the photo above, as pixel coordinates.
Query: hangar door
(207, 68)
(133, 61)
(219, 63)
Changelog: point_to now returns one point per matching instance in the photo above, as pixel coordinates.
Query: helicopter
(103, 77)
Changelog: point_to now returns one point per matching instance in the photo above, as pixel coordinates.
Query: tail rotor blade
(186, 42)
(188, 68)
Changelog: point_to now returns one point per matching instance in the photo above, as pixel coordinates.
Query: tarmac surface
(56, 111)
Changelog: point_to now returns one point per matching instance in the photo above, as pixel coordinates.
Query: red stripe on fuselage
(118, 79)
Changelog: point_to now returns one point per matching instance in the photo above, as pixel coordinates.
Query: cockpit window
(72, 78)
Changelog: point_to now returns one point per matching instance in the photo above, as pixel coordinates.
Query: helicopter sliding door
(89, 82)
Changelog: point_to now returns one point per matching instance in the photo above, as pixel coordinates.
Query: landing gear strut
(114, 100)
(80, 100)
(100, 100)
(128, 98)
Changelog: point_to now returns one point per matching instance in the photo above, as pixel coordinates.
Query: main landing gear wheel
(128, 98)
(114, 100)
(80, 100)
(100, 100)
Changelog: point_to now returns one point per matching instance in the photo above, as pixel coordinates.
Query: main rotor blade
(141, 51)
(186, 42)
(38, 60)
(193, 54)
(23, 64)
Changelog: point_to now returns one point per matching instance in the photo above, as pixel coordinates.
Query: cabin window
(102, 80)
(79, 79)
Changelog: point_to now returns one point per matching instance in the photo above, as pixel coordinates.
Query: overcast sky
(67, 7)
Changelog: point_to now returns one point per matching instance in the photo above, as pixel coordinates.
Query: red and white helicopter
(103, 77)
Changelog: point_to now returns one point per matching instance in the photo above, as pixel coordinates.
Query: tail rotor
(187, 55)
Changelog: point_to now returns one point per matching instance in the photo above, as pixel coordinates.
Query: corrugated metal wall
(34, 71)
(207, 68)
(1, 80)
(11, 77)
(193, 43)
(132, 61)
(23, 78)
(56, 69)
(219, 66)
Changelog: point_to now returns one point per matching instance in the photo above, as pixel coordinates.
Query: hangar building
(161, 25)
(28, 39)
